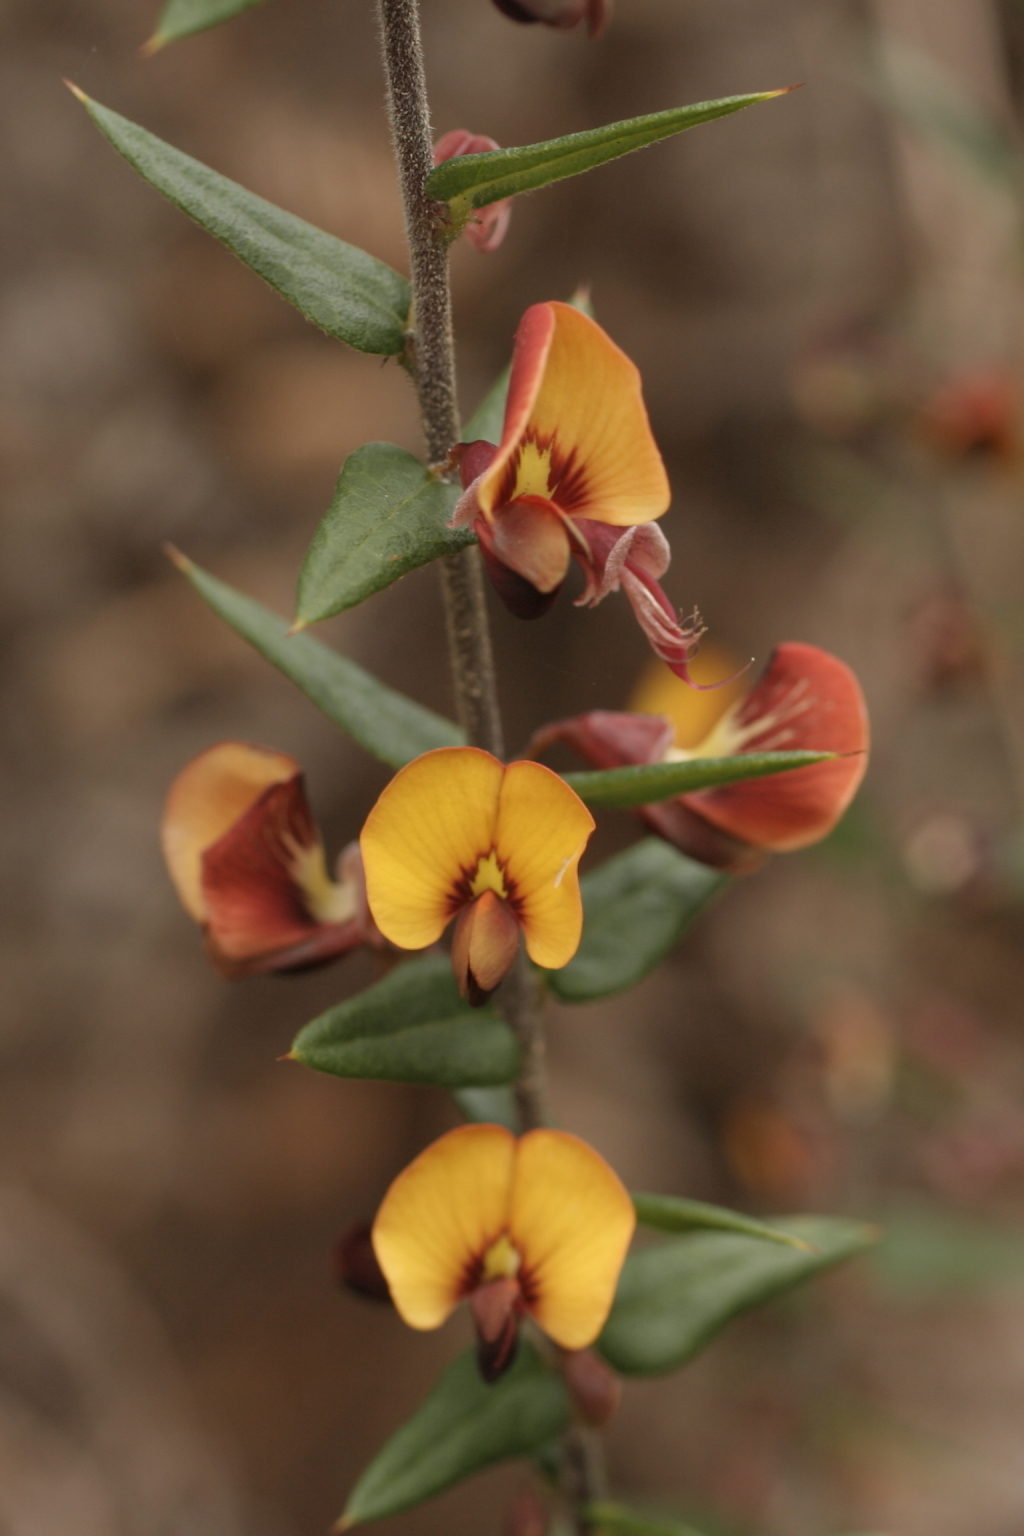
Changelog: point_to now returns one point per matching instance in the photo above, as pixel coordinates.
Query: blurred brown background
(844, 1032)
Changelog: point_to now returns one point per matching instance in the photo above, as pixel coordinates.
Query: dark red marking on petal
(568, 478)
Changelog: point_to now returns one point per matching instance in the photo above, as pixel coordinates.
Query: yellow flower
(538, 1225)
(457, 834)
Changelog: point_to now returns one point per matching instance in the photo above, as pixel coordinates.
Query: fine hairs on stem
(469, 638)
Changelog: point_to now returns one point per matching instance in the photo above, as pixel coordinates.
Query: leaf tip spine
(76, 91)
(153, 45)
(290, 1056)
(177, 559)
(297, 628)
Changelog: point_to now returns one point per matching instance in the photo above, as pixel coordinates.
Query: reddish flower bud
(559, 13)
(486, 227)
(356, 1266)
(595, 1388)
(976, 415)
(247, 861)
(527, 1515)
(806, 700)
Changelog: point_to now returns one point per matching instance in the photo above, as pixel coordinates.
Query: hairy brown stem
(433, 362)
(584, 1479)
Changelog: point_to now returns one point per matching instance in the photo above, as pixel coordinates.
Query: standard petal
(543, 827)
(572, 1221)
(209, 795)
(424, 839)
(576, 429)
(806, 700)
(440, 1216)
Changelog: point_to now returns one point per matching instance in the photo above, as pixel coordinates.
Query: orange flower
(806, 700)
(458, 834)
(560, 13)
(577, 475)
(247, 861)
(538, 1225)
(487, 226)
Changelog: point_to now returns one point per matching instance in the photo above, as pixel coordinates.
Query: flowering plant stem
(432, 362)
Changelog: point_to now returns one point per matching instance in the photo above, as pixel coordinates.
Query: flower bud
(527, 1514)
(486, 227)
(559, 13)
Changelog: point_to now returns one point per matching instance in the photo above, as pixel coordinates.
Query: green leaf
(180, 18)
(473, 181)
(388, 516)
(346, 292)
(488, 1106)
(626, 1522)
(670, 1213)
(385, 722)
(648, 782)
(464, 1426)
(635, 908)
(412, 1027)
(673, 1298)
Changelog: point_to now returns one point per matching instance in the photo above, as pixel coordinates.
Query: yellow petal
(427, 833)
(572, 1221)
(576, 429)
(440, 1217)
(206, 799)
(693, 711)
(543, 827)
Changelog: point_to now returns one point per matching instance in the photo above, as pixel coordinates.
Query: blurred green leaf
(488, 1106)
(388, 516)
(674, 1297)
(635, 907)
(464, 1426)
(390, 726)
(412, 1027)
(648, 782)
(626, 1522)
(346, 292)
(180, 18)
(472, 181)
(670, 1213)
(928, 1253)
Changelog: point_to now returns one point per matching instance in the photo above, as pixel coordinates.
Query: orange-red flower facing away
(806, 700)
(978, 414)
(456, 834)
(537, 1225)
(487, 226)
(247, 861)
(577, 475)
(560, 13)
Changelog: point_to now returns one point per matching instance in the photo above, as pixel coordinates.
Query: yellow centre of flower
(501, 1261)
(489, 877)
(533, 471)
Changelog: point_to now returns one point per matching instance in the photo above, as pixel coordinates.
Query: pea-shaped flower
(577, 475)
(457, 834)
(538, 1225)
(805, 700)
(247, 861)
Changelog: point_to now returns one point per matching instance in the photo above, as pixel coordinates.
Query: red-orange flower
(538, 1225)
(247, 861)
(486, 226)
(559, 13)
(457, 834)
(577, 476)
(806, 700)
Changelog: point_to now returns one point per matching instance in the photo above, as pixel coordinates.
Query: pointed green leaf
(673, 1298)
(180, 18)
(464, 1426)
(620, 1521)
(412, 1027)
(346, 292)
(635, 908)
(670, 1213)
(648, 782)
(473, 181)
(388, 516)
(385, 722)
(488, 1106)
